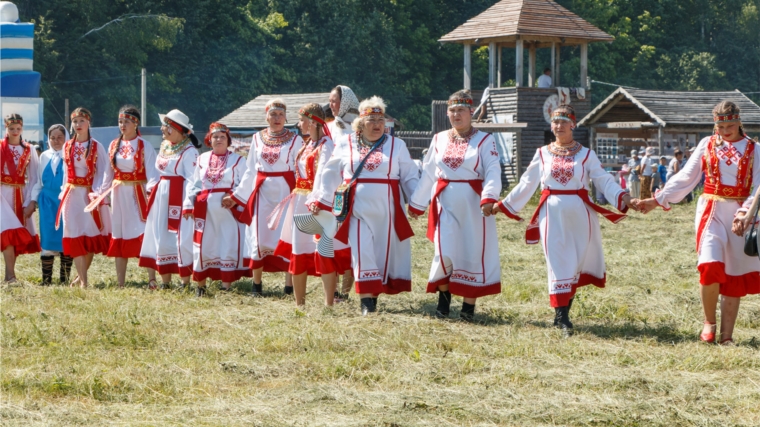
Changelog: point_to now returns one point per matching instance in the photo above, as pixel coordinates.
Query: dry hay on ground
(109, 356)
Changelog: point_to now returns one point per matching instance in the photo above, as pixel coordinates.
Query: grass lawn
(109, 356)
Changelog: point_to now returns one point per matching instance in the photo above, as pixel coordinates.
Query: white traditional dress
(84, 168)
(300, 247)
(460, 175)
(18, 178)
(731, 169)
(167, 244)
(133, 171)
(270, 177)
(45, 193)
(565, 222)
(219, 238)
(377, 228)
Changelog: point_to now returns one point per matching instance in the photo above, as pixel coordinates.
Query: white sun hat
(177, 117)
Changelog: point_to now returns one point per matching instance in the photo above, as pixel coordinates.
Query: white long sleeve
(409, 174)
(604, 181)
(529, 182)
(32, 176)
(682, 183)
(422, 196)
(489, 158)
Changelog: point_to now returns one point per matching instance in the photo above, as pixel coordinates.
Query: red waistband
(727, 191)
(283, 173)
(434, 215)
(374, 181)
(13, 179)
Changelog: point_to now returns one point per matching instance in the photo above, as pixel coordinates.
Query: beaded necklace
(455, 137)
(275, 139)
(565, 151)
(363, 141)
(168, 149)
(216, 166)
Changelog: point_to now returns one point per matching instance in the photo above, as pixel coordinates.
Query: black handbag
(750, 237)
(342, 200)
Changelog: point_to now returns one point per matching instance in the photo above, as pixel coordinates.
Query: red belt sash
(533, 235)
(400, 222)
(435, 217)
(67, 191)
(727, 191)
(138, 181)
(176, 191)
(304, 184)
(201, 209)
(247, 215)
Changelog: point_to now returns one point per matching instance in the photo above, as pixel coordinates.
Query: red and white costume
(134, 174)
(301, 248)
(84, 168)
(730, 169)
(219, 239)
(18, 177)
(460, 175)
(167, 244)
(565, 222)
(269, 178)
(377, 228)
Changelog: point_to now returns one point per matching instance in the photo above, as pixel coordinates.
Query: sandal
(152, 285)
(728, 342)
(708, 337)
(74, 282)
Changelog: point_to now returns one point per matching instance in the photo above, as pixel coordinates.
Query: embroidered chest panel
(79, 151)
(270, 153)
(453, 156)
(563, 168)
(162, 162)
(126, 151)
(374, 160)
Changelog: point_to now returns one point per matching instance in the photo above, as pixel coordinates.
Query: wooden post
(660, 142)
(67, 114)
(144, 93)
(518, 154)
(468, 66)
(532, 65)
(492, 64)
(555, 77)
(498, 74)
(554, 57)
(519, 63)
(584, 65)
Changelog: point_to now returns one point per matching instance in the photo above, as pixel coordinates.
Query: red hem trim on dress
(172, 268)
(730, 286)
(562, 300)
(416, 211)
(125, 248)
(376, 286)
(83, 245)
(22, 241)
(218, 274)
(465, 290)
(340, 263)
(270, 264)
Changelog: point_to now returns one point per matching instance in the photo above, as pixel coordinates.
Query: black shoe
(288, 290)
(468, 312)
(181, 287)
(444, 305)
(368, 306)
(562, 320)
(569, 306)
(199, 292)
(164, 286)
(258, 290)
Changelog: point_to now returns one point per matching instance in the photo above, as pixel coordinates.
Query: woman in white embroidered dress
(219, 241)
(462, 177)
(376, 227)
(167, 244)
(45, 193)
(270, 177)
(731, 166)
(18, 168)
(565, 222)
(85, 162)
(344, 106)
(132, 176)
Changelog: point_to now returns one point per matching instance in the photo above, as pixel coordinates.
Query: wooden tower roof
(534, 20)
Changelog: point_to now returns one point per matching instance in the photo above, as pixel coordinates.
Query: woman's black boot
(468, 312)
(200, 291)
(444, 305)
(258, 290)
(66, 262)
(47, 269)
(562, 320)
(569, 306)
(368, 306)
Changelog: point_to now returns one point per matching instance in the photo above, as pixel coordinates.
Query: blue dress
(50, 238)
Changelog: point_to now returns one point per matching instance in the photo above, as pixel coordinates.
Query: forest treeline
(209, 57)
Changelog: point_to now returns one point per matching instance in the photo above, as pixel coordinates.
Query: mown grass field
(109, 356)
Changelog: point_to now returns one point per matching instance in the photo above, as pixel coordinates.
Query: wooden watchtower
(529, 25)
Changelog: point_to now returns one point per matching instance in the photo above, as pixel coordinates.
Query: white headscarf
(348, 101)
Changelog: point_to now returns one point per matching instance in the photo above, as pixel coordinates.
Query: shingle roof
(252, 115)
(669, 108)
(529, 19)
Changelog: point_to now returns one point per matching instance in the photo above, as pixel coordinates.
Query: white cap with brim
(634, 152)
(177, 117)
(322, 223)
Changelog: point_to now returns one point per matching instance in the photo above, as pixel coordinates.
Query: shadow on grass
(662, 333)
(488, 317)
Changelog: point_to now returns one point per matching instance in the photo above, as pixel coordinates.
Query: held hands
(631, 203)
(227, 202)
(187, 215)
(742, 223)
(645, 206)
(488, 209)
(29, 210)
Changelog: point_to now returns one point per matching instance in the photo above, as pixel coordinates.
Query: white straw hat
(177, 117)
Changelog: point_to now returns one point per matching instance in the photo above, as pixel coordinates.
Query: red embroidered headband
(14, 121)
(310, 116)
(726, 118)
(460, 102)
(218, 128)
(561, 115)
(82, 114)
(130, 117)
(373, 111)
(276, 106)
(175, 125)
